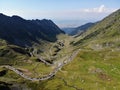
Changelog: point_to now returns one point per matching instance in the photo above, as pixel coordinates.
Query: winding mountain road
(50, 75)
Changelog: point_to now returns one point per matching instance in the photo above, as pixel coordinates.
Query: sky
(65, 13)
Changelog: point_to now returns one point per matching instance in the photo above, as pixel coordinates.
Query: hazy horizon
(65, 13)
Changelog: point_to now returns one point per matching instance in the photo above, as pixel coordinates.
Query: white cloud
(101, 9)
(84, 15)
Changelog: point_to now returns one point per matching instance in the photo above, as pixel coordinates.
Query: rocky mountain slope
(19, 31)
(19, 38)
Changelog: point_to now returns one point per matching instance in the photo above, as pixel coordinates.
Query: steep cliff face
(21, 32)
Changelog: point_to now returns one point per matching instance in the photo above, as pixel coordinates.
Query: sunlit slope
(104, 33)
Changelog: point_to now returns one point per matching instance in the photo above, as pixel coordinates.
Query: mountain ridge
(82, 28)
(19, 31)
(104, 32)
(78, 30)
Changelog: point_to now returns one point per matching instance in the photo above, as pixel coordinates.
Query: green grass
(82, 71)
(105, 33)
(90, 70)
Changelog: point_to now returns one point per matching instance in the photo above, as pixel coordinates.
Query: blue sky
(65, 13)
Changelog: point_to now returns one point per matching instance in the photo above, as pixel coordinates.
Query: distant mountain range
(21, 32)
(68, 30)
(78, 30)
(81, 28)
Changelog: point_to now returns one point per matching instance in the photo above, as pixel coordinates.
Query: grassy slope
(104, 32)
(90, 70)
(38, 69)
(9, 55)
(33, 67)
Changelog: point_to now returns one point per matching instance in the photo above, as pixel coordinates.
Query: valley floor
(75, 69)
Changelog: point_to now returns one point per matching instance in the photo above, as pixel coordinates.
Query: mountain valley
(38, 55)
